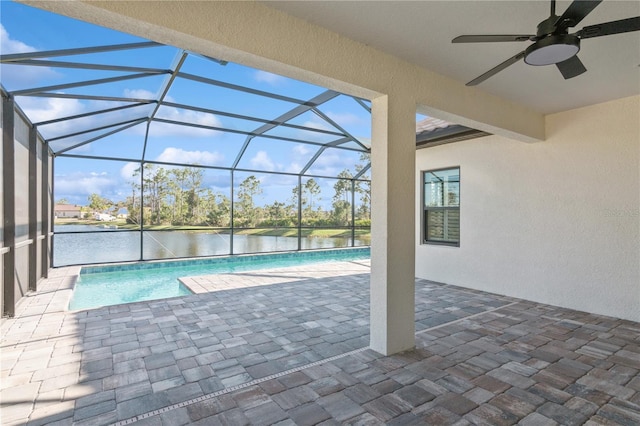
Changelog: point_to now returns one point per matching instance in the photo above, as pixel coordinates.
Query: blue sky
(27, 29)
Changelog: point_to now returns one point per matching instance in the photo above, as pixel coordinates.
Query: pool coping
(208, 283)
(187, 281)
(248, 257)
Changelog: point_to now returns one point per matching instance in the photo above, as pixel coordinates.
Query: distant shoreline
(271, 232)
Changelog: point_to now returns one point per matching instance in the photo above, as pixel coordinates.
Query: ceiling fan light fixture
(552, 49)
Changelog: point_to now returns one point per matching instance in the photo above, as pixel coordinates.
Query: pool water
(116, 284)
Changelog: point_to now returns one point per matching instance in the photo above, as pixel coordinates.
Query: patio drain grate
(283, 373)
(233, 389)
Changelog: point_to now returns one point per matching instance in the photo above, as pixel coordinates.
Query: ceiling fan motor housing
(552, 49)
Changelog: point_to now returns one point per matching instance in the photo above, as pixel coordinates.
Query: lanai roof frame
(42, 58)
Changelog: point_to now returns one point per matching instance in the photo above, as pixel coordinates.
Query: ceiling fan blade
(495, 70)
(491, 38)
(576, 12)
(608, 28)
(572, 67)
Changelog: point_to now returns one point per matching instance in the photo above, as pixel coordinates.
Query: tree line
(176, 197)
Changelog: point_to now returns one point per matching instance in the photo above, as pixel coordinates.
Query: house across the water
(67, 211)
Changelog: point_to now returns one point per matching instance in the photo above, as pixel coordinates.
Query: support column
(231, 213)
(33, 208)
(8, 194)
(46, 217)
(52, 212)
(142, 205)
(393, 224)
(299, 212)
(353, 213)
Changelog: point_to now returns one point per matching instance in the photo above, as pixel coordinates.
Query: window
(441, 195)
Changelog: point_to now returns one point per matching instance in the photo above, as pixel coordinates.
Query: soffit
(421, 33)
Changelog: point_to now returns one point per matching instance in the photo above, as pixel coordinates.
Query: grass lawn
(313, 233)
(272, 232)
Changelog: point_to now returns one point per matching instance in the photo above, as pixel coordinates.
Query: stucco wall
(556, 222)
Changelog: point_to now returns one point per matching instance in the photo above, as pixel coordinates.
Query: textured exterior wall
(556, 222)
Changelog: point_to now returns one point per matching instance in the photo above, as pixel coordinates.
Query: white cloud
(299, 157)
(269, 78)
(10, 45)
(293, 168)
(325, 167)
(139, 94)
(194, 117)
(127, 171)
(346, 118)
(69, 143)
(331, 163)
(282, 186)
(21, 75)
(301, 150)
(80, 183)
(187, 116)
(319, 125)
(262, 161)
(177, 155)
(330, 159)
(43, 109)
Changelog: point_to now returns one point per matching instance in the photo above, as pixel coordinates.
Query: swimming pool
(116, 284)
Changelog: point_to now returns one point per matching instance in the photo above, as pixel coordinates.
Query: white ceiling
(421, 32)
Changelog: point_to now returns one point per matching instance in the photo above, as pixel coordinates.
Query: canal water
(121, 246)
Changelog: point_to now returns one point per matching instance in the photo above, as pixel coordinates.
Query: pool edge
(166, 263)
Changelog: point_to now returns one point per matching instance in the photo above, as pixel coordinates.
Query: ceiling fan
(552, 43)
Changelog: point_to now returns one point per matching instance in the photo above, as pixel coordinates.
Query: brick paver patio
(289, 346)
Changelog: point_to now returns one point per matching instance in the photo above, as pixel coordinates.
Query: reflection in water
(69, 249)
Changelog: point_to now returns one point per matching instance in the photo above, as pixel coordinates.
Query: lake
(121, 246)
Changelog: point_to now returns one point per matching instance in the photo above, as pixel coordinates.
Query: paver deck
(289, 346)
